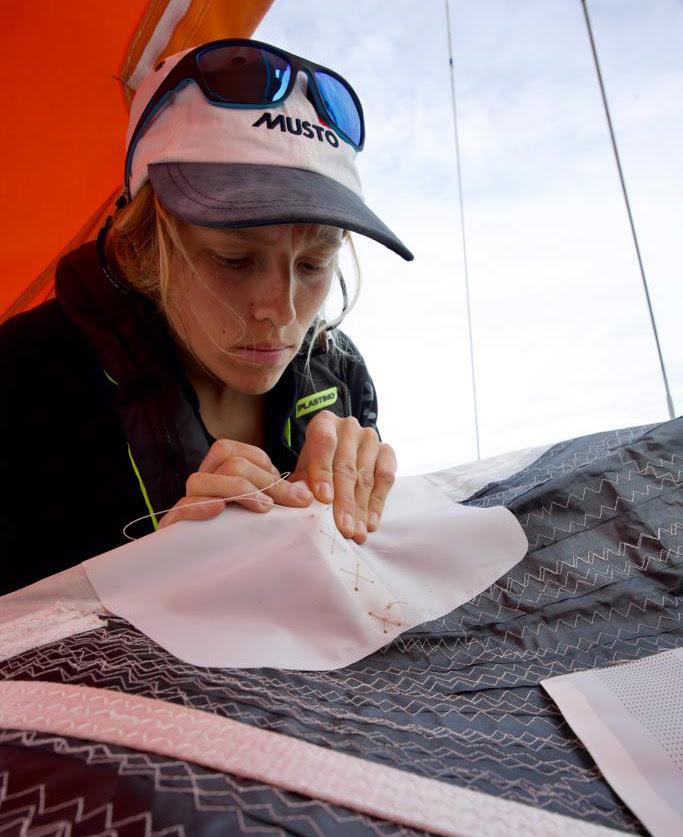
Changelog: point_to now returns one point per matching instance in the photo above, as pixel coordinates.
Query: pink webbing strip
(233, 747)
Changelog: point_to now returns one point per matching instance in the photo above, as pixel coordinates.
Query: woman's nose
(274, 300)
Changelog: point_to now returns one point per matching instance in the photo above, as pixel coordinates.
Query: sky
(562, 342)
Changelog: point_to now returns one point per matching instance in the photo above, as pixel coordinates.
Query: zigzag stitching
(507, 585)
(473, 646)
(119, 761)
(479, 752)
(580, 494)
(78, 816)
(460, 644)
(510, 674)
(515, 588)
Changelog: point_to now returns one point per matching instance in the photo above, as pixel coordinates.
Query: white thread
(203, 503)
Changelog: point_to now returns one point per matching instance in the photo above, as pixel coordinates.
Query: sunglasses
(240, 73)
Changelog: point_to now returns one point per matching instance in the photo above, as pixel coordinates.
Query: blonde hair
(144, 242)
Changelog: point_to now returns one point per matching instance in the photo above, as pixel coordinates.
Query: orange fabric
(63, 68)
(208, 19)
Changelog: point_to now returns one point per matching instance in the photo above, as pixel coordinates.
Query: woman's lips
(262, 354)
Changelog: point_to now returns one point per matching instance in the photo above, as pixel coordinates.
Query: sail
(68, 72)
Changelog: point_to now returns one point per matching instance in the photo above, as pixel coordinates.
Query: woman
(185, 360)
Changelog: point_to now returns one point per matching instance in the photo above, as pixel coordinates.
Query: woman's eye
(308, 267)
(231, 264)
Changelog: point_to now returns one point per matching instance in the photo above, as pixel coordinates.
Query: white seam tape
(50, 624)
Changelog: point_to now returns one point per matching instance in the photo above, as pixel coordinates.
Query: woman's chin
(250, 380)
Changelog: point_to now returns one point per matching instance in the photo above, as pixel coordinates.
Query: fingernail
(264, 499)
(302, 491)
(349, 524)
(361, 529)
(373, 520)
(324, 492)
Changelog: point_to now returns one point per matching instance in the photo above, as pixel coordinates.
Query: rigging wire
(462, 223)
(669, 400)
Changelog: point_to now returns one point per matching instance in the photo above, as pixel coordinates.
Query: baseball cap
(230, 167)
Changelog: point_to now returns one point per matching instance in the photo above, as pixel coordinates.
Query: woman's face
(256, 293)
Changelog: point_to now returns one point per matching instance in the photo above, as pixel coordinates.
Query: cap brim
(248, 195)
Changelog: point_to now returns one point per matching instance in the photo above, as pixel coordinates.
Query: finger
(230, 488)
(365, 465)
(210, 507)
(318, 452)
(385, 476)
(282, 492)
(300, 472)
(345, 477)
(224, 449)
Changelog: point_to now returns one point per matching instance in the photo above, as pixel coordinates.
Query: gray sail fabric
(457, 699)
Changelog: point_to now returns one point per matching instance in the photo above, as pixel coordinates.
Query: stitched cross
(357, 576)
(385, 617)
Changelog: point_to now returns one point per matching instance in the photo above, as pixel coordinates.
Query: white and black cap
(230, 167)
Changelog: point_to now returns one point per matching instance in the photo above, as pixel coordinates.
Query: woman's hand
(231, 469)
(347, 464)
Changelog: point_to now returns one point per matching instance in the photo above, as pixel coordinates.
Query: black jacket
(99, 424)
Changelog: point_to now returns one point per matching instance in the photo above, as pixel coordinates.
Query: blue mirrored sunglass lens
(341, 105)
(244, 75)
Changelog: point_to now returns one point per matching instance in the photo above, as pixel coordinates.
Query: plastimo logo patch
(317, 401)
